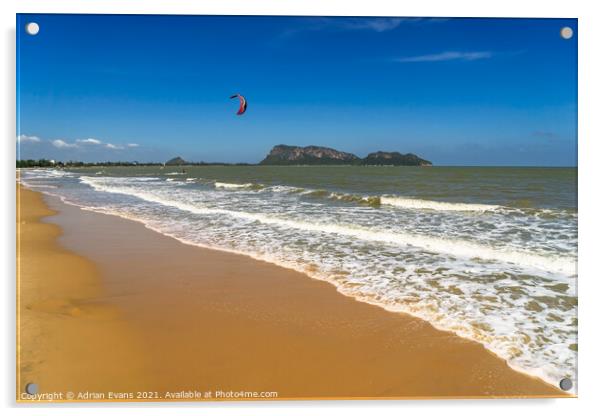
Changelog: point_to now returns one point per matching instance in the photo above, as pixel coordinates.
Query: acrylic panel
(295, 207)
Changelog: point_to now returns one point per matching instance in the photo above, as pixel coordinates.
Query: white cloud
(89, 141)
(113, 146)
(382, 24)
(28, 139)
(77, 144)
(376, 24)
(61, 144)
(448, 56)
(106, 145)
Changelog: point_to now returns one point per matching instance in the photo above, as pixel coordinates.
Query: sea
(489, 253)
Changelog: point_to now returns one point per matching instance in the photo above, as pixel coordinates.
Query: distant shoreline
(202, 164)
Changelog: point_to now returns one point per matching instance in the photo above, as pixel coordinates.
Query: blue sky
(147, 88)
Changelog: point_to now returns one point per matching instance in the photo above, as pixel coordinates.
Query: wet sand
(109, 305)
(68, 337)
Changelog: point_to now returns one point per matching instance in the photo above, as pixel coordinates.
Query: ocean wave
(226, 185)
(377, 201)
(284, 189)
(454, 247)
(46, 173)
(30, 185)
(373, 201)
(388, 200)
(143, 178)
(410, 203)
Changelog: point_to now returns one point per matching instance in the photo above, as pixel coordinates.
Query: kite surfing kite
(243, 104)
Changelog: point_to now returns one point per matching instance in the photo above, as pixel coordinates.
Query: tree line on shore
(46, 163)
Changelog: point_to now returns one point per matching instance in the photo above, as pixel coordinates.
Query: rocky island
(317, 155)
(311, 155)
(176, 161)
(394, 158)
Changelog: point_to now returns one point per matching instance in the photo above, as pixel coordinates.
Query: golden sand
(148, 313)
(68, 338)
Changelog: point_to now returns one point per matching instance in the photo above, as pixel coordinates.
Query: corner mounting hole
(32, 28)
(566, 384)
(31, 388)
(566, 32)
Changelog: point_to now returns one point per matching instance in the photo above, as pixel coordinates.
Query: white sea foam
(389, 200)
(226, 185)
(284, 189)
(48, 173)
(410, 203)
(143, 179)
(29, 185)
(460, 248)
(374, 200)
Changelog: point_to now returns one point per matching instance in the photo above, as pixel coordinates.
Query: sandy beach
(108, 305)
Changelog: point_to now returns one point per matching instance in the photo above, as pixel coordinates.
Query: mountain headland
(317, 155)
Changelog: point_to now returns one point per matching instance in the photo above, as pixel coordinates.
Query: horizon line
(201, 163)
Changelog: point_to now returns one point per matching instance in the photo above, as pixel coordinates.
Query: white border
(590, 201)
